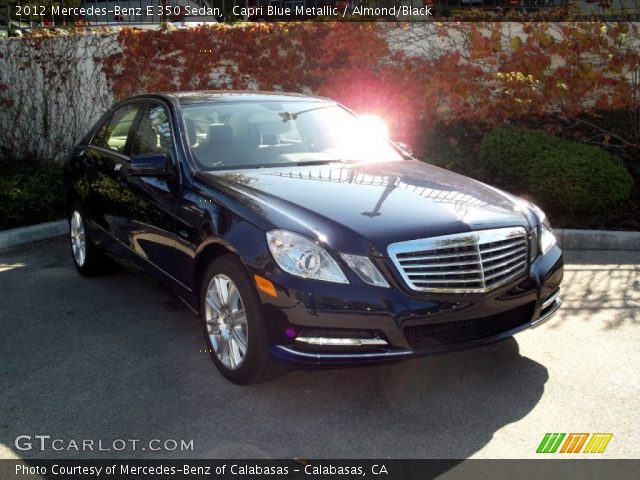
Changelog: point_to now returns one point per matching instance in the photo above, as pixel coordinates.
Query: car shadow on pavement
(443, 406)
(119, 358)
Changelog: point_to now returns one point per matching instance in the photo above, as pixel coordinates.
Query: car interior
(244, 137)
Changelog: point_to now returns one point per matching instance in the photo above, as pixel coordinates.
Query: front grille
(465, 262)
(460, 331)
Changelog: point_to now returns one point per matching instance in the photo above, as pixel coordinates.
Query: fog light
(550, 300)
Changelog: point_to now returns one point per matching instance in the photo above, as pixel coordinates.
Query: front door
(146, 223)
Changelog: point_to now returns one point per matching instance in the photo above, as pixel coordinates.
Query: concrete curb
(597, 239)
(567, 238)
(18, 236)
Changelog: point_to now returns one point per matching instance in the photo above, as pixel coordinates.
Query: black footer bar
(298, 469)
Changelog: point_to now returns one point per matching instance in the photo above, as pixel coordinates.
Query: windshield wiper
(303, 163)
(286, 116)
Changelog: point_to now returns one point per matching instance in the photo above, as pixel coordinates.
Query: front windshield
(268, 134)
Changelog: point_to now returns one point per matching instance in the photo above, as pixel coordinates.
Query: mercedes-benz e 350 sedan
(300, 235)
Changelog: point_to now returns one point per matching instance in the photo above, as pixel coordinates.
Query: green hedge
(561, 176)
(506, 153)
(30, 194)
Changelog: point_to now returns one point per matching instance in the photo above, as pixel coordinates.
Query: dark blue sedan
(301, 235)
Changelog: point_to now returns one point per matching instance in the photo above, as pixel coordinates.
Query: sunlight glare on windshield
(374, 126)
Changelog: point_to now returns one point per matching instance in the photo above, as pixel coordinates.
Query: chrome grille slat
(490, 275)
(514, 250)
(503, 272)
(470, 280)
(436, 265)
(429, 257)
(492, 266)
(485, 259)
(445, 272)
(502, 247)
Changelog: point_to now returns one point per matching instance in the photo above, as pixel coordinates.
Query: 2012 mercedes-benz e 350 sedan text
(300, 235)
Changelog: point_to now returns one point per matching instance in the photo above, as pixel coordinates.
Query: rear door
(101, 159)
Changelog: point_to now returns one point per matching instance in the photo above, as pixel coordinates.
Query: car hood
(368, 206)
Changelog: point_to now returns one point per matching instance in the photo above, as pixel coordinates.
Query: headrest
(219, 134)
(146, 139)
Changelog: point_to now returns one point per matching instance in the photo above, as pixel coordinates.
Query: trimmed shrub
(562, 176)
(30, 194)
(505, 154)
(578, 178)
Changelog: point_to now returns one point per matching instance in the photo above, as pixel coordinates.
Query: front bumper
(410, 323)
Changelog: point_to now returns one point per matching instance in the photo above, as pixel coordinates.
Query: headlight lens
(365, 269)
(300, 256)
(546, 237)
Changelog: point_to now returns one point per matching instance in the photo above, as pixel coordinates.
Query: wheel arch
(206, 254)
(70, 197)
(235, 236)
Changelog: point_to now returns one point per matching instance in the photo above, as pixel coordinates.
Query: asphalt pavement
(118, 360)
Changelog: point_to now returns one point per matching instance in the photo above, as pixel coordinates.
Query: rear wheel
(86, 258)
(234, 325)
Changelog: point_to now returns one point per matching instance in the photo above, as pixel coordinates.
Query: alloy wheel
(78, 240)
(226, 321)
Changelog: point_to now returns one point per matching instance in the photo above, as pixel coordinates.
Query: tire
(86, 257)
(237, 320)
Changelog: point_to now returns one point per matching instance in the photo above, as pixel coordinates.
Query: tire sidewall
(85, 268)
(257, 346)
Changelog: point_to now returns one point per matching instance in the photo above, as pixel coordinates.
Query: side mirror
(150, 165)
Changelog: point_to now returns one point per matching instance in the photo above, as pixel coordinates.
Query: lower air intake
(461, 331)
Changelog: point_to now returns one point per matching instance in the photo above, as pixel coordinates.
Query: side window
(154, 132)
(114, 133)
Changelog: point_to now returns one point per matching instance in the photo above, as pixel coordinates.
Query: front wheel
(233, 323)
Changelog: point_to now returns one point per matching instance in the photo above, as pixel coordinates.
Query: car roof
(235, 96)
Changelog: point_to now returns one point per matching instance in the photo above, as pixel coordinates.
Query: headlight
(365, 269)
(546, 238)
(300, 256)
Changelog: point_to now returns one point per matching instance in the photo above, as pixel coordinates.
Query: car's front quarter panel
(207, 227)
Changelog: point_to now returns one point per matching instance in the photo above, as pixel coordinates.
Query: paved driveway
(118, 357)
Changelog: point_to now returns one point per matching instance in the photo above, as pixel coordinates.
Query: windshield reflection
(225, 135)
